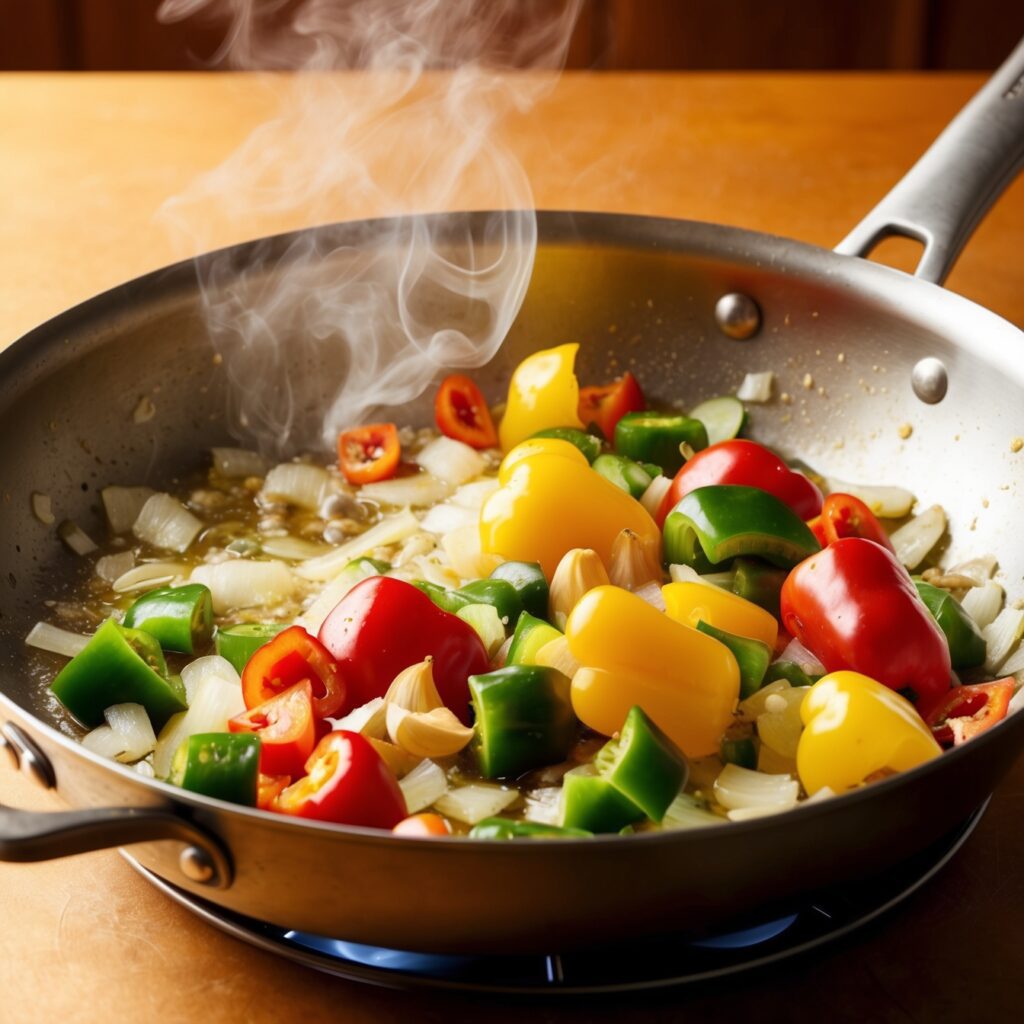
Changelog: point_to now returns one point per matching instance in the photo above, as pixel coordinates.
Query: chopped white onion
(651, 593)
(127, 736)
(771, 763)
(59, 641)
(486, 624)
(293, 548)
(365, 715)
(1014, 663)
(471, 804)
(1016, 701)
(297, 483)
(165, 523)
(149, 576)
(982, 603)
(76, 538)
(475, 494)
(423, 786)
(123, 505)
(652, 498)
(451, 461)
(685, 574)
(887, 502)
(444, 518)
(756, 387)
(737, 787)
(749, 709)
(979, 570)
(215, 695)
(390, 530)
(113, 567)
(1001, 636)
(779, 726)
(419, 490)
(688, 812)
(807, 660)
(758, 811)
(243, 583)
(238, 462)
(42, 508)
(544, 805)
(915, 539)
(462, 546)
(105, 742)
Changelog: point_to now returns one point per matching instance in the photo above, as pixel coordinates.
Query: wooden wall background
(611, 34)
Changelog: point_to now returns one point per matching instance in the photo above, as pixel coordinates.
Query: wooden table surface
(86, 162)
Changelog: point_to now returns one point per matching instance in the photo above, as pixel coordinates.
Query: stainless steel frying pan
(860, 348)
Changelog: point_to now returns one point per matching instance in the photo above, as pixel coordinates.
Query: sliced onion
(737, 787)
(293, 548)
(915, 539)
(462, 546)
(651, 593)
(444, 518)
(243, 583)
(423, 786)
(1001, 636)
(297, 483)
(56, 640)
(1014, 663)
(544, 806)
(76, 538)
(128, 735)
(756, 387)
(369, 719)
(983, 602)
(688, 812)
(451, 461)
(149, 575)
(238, 462)
(390, 530)
(754, 705)
(887, 502)
(486, 624)
(686, 574)
(779, 728)
(105, 742)
(123, 505)
(652, 498)
(165, 523)
(760, 811)
(113, 567)
(471, 804)
(475, 494)
(419, 490)
(807, 660)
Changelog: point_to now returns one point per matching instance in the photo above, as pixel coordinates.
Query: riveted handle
(944, 196)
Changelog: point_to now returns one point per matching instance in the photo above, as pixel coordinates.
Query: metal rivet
(929, 380)
(737, 316)
(197, 865)
(11, 751)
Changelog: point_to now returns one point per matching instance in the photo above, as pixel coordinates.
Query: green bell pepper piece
(524, 719)
(591, 802)
(499, 593)
(239, 643)
(713, 524)
(225, 765)
(793, 673)
(966, 644)
(118, 666)
(758, 582)
(656, 437)
(643, 764)
(741, 752)
(530, 636)
(752, 656)
(505, 828)
(589, 445)
(530, 584)
(627, 475)
(181, 618)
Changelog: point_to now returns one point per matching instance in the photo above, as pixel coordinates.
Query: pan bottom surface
(661, 963)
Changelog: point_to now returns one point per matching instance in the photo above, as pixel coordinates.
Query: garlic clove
(436, 733)
(580, 570)
(414, 689)
(556, 654)
(634, 562)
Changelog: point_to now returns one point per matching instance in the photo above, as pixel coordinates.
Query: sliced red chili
(370, 453)
(461, 412)
(968, 711)
(289, 658)
(285, 727)
(817, 527)
(606, 404)
(843, 515)
(268, 789)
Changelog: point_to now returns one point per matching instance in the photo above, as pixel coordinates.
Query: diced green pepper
(713, 524)
(627, 475)
(591, 802)
(752, 656)
(239, 643)
(118, 666)
(741, 752)
(791, 672)
(656, 437)
(643, 764)
(524, 719)
(505, 828)
(758, 582)
(499, 593)
(225, 765)
(589, 445)
(181, 618)
(530, 636)
(530, 584)
(966, 644)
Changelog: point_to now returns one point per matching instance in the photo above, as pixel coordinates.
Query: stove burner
(655, 963)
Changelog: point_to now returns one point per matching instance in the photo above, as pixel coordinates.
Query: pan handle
(942, 198)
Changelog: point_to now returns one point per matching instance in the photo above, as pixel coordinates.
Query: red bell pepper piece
(347, 782)
(606, 404)
(285, 727)
(383, 625)
(293, 655)
(855, 607)
(750, 465)
(843, 515)
(370, 453)
(268, 789)
(461, 412)
(968, 711)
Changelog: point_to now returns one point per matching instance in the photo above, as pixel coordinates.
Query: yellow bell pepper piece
(631, 653)
(543, 393)
(550, 503)
(689, 603)
(855, 727)
(539, 446)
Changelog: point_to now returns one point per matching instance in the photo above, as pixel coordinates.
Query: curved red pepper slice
(843, 515)
(285, 727)
(969, 711)
(606, 404)
(461, 413)
(370, 453)
(294, 655)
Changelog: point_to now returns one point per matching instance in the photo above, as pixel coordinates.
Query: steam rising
(318, 332)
